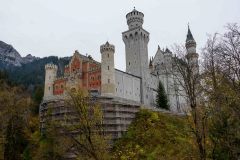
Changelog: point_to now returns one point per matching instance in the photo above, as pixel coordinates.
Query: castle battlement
(51, 66)
(107, 47)
(134, 19)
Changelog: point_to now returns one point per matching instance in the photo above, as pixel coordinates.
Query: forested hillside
(33, 74)
(18, 116)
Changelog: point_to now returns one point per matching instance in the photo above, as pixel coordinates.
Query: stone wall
(127, 86)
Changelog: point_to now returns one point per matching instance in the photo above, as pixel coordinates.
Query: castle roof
(132, 13)
(167, 51)
(189, 35)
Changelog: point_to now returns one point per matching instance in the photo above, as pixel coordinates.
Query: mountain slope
(29, 70)
(33, 73)
(10, 57)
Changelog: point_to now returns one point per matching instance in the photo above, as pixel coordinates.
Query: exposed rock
(9, 56)
(29, 58)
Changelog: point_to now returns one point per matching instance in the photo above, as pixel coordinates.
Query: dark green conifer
(162, 100)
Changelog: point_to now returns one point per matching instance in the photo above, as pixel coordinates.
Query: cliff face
(9, 56)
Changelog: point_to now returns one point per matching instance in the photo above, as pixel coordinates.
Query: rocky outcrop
(9, 56)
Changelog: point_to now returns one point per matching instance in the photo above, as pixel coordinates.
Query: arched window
(108, 67)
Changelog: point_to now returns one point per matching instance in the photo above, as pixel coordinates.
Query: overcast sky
(58, 27)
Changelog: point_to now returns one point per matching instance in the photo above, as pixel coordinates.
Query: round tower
(190, 42)
(50, 76)
(107, 70)
(192, 55)
(134, 19)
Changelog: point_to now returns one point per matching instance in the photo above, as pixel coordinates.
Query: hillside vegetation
(33, 74)
(155, 135)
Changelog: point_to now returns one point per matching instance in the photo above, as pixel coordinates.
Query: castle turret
(50, 76)
(136, 44)
(134, 19)
(190, 42)
(192, 55)
(107, 70)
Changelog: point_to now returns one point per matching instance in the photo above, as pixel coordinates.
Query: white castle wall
(127, 86)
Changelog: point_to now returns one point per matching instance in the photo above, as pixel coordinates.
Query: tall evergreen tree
(161, 100)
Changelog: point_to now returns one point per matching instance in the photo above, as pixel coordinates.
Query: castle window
(108, 80)
(129, 63)
(49, 88)
(108, 67)
(108, 55)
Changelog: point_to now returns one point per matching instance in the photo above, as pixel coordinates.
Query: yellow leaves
(154, 116)
(155, 135)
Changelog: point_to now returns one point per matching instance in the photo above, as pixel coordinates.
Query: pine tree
(161, 100)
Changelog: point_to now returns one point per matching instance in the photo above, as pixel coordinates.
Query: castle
(121, 93)
(140, 81)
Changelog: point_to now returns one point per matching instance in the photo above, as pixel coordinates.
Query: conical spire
(189, 35)
(150, 63)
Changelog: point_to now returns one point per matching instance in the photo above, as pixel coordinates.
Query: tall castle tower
(192, 55)
(136, 47)
(50, 76)
(136, 44)
(107, 70)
